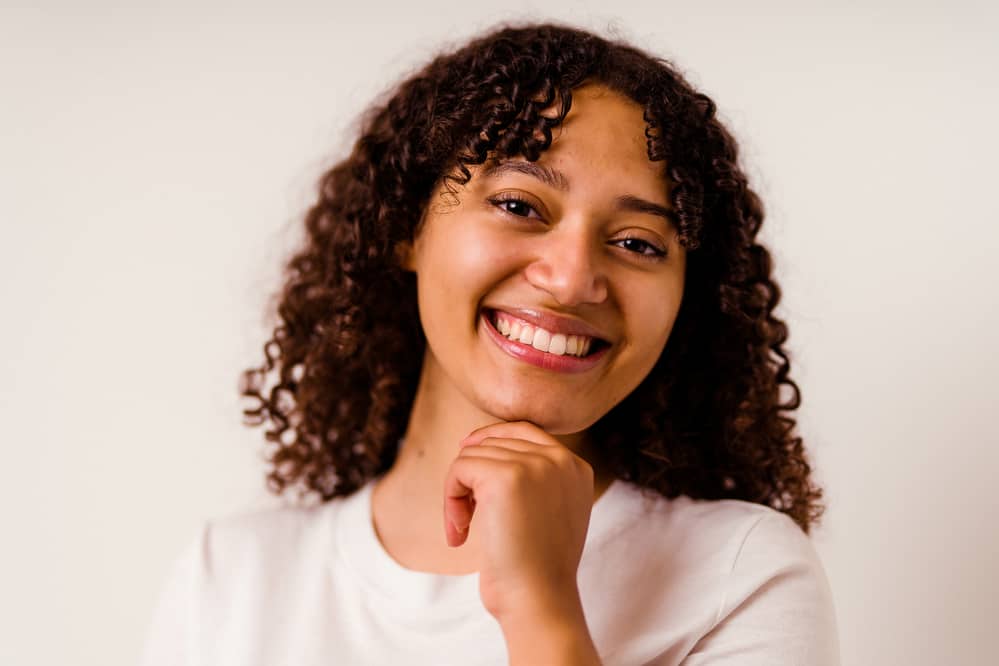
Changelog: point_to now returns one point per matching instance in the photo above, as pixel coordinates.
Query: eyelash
(655, 255)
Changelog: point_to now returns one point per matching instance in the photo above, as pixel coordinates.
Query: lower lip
(541, 359)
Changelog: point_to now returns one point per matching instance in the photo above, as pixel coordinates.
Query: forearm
(558, 637)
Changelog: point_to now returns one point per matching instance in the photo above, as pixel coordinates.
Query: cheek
(460, 267)
(654, 325)
(470, 258)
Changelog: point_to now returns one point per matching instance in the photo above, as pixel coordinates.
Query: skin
(496, 473)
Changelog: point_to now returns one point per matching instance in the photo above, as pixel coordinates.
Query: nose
(568, 269)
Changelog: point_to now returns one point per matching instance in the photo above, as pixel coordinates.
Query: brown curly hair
(708, 421)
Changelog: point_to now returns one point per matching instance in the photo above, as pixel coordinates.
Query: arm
(552, 636)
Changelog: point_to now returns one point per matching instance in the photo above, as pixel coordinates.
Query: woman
(528, 360)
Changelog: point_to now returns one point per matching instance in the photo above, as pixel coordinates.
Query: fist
(529, 498)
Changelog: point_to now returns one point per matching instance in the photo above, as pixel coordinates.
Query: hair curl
(708, 421)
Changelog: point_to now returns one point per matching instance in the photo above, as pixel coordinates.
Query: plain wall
(155, 164)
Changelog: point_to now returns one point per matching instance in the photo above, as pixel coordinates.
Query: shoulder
(752, 542)
(268, 523)
(265, 536)
(772, 600)
(776, 604)
(255, 544)
(244, 556)
(748, 544)
(724, 534)
(736, 582)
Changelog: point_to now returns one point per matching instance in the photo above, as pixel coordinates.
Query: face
(570, 256)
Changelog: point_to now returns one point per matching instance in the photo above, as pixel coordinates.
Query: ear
(404, 255)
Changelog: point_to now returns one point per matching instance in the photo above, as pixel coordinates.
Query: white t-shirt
(664, 582)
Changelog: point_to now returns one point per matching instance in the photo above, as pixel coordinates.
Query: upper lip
(553, 323)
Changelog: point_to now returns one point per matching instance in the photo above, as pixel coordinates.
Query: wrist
(550, 633)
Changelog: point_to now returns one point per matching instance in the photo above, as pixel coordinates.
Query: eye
(514, 205)
(643, 248)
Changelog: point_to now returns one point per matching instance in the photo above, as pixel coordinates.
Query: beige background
(154, 164)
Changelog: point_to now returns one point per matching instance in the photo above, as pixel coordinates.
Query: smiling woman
(529, 365)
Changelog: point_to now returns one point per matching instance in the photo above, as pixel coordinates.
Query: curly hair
(341, 368)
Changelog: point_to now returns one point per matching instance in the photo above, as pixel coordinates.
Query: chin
(553, 419)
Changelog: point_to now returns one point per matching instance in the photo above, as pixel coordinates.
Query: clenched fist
(529, 497)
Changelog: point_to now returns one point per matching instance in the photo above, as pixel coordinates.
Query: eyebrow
(551, 177)
(557, 180)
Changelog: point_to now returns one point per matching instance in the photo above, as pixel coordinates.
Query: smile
(540, 347)
(541, 339)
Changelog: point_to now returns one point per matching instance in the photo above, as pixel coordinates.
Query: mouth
(540, 347)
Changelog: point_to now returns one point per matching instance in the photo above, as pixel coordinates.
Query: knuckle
(515, 474)
(563, 457)
(542, 464)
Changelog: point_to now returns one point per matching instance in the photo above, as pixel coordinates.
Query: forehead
(605, 128)
(602, 109)
(602, 140)
(603, 136)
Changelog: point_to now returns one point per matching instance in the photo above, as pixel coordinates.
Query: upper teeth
(541, 339)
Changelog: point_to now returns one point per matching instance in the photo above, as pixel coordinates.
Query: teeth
(557, 346)
(541, 339)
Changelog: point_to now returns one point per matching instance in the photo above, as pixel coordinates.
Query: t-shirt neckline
(414, 593)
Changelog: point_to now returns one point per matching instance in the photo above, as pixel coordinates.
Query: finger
(502, 442)
(531, 458)
(453, 536)
(458, 511)
(559, 456)
(511, 430)
(463, 477)
(470, 477)
(459, 500)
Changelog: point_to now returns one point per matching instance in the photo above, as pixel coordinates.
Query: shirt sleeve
(169, 638)
(777, 609)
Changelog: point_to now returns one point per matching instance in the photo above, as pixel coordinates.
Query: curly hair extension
(708, 421)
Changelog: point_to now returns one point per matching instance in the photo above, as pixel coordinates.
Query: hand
(531, 498)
